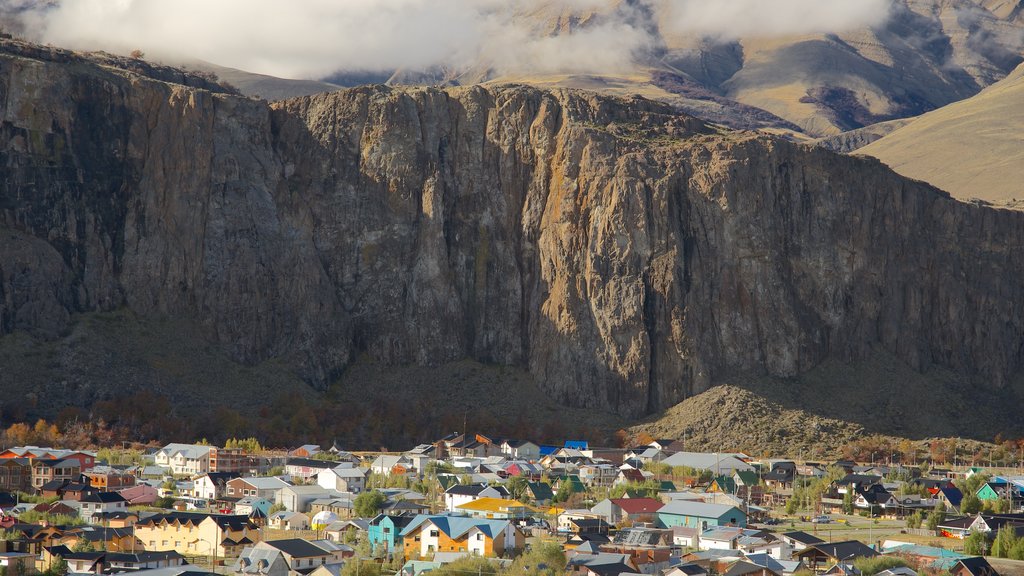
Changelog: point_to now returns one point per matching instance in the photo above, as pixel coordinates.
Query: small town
(468, 503)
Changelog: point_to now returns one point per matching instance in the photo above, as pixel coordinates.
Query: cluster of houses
(476, 497)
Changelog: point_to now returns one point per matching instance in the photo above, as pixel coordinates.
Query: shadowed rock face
(627, 256)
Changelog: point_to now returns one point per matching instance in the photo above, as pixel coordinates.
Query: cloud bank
(315, 38)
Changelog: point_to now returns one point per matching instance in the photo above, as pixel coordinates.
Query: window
(433, 533)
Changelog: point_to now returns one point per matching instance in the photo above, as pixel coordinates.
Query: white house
(188, 459)
(212, 485)
(299, 498)
(521, 450)
(98, 503)
(285, 520)
(464, 494)
(343, 479)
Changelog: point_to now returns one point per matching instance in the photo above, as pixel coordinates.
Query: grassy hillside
(971, 149)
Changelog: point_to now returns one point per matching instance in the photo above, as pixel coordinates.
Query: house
(344, 478)
(306, 468)
(285, 520)
(598, 474)
(392, 465)
(700, 515)
(212, 485)
(299, 498)
(15, 474)
(407, 507)
(106, 538)
(976, 566)
(999, 489)
(193, 533)
(718, 463)
(292, 556)
(650, 549)
(384, 533)
(818, 556)
(305, 451)
(94, 505)
(465, 493)
(800, 540)
(620, 510)
(184, 459)
(951, 497)
(428, 534)
(17, 562)
(601, 564)
(539, 492)
(47, 469)
(107, 478)
(521, 450)
(250, 503)
(340, 507)
(339, 531)
(781, 475)
(497, 508)
(139, 495)
(107, 562)
(117, 519)
(522, 468)
(85, 460)
(255, 487)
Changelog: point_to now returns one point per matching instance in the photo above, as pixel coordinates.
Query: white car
(823, 519)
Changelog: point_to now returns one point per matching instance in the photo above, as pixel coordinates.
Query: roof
(541, 490)
(497, 505)
(840, 550)
(703, 461)
(104, 498)
(456, 526)
(188, 451)
(802, 537)
(298, 548)
(977, 566)
(747, 477)
(638, 505)
(466, 489)
(697, 509)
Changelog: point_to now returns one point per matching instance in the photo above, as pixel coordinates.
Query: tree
(915, 520)
(936, 517)
(137, 54)
(276, 471)
(58, 568)
(368, 504)
(976, 544)
(970, 504)
(545, 559)
(279, 507)
(1004, 543)
(848, 502)
(565, 491)
(517, 487)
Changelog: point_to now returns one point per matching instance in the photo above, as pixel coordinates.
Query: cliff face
(627, 256)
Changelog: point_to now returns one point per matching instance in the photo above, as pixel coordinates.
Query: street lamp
(213, 554)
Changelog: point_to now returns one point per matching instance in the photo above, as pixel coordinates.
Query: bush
(872, 566)
(368, 504)
(976, 544)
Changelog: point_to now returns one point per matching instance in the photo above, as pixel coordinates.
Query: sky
(316, 38)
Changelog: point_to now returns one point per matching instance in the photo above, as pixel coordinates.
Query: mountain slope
(972, 149)
(625, 255)
(926, 54)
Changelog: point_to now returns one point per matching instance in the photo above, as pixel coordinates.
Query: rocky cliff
(626, 255)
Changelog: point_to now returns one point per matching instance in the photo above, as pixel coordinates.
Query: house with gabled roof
(190, 459)
(344, 478)
(192, 533)
(497, 508)
(521, 450)
(255, 487)
(975, 566)
(385, 532)
(619, 510)
(700, 515)
(428, 534)
(212, 485)
(818, 556)
(460, 494)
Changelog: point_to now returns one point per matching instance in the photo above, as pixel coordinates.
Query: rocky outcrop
(626, 255)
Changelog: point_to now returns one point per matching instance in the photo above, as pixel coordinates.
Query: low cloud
(315, 38)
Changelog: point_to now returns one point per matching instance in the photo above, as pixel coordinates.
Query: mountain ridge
(625, 255)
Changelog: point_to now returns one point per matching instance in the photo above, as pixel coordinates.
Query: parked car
(822, 519)
(771, 522)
